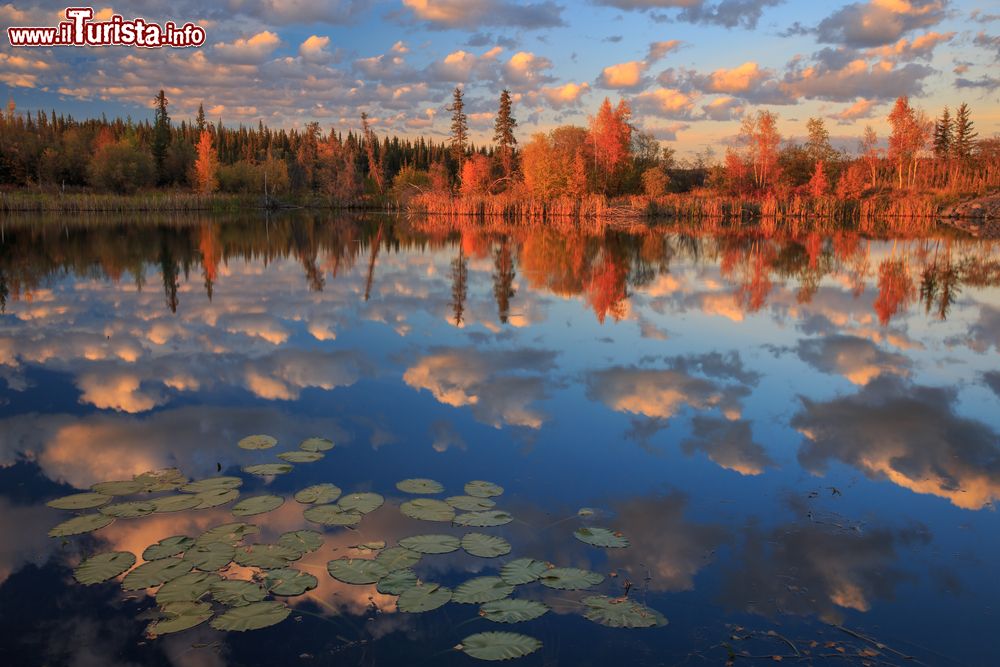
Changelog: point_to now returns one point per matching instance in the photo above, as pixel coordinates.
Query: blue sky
(690, 68)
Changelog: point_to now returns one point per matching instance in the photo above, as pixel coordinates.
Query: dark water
(799, 436)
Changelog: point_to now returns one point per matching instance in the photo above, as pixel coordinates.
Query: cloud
(837, 82)
(476, 13)
(879, 22)
(313, 49)
(628, 75)
(664, 103)
(857, 359)
(988, 42)
(567, 95)
(861, 109)
(728, 13)
(526, 71)
(729, 443)
(919, 47)
(989, 83)
(985, 332)
(248, 50)
(724, 108)
(659, 50)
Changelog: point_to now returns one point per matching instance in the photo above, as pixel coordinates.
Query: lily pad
(601, 537)
(130, 510)
(363, 503)
(229, 533)
(482, 589)
(216, 498)
(481, 489)
(289, 582)
(212, 484)
(300, 457)
(188, 587)
(155, 572)
(80, 501)
(470, 503)
(318, 494)
(267, 469)
(79, 525)
(423, 597)
(210, 556)
(570, 578)
(512, 611)
(356, 570)
(498, 645)
(125, 487)
(621, 613)
(266, 556)
(102, 567)
(524, 571)
(257, 505)
(303, 541)
(316, 445)
(175, 503)
(167, 547)
(237, 592)
(257, 442)
(179, 616)
(397, 558)
(484, 519)
(419, 485)
(485, 546)
(168, 479)
(431, 544)
(369, 547)
(428, 509)
(332, 515)
(254, 616)
(396, 582)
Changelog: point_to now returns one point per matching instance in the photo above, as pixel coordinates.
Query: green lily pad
(332, 515)
(175, 503)
(229, 533)
(363, 503)
(601, 537)
(356, 570)
(485, 546)
(481, 489)
(216, 498)
(125, 487)
(102, 567)
(570, 578)
(397, 558)
(484, 519)
(80, 501)
(130, 510)
(289, 582)
(212, 484)
(254, 616)
(498, 645)
(512, 611)
(167, 547)
(428, 509)
(168, 479)
(524, 571)
(369, 547)
(423, 597)
(267, 469)
(303, 541)
(188, 587)
(266, 556)
(482, 589)
(237, 592)
(179, 616)
(431, 544)
(318, 494)
(257, 442)
(79, 525)
(470, 503)
(621, 613)
(210, 556)
(155, 572)
(257, 505)
(316, 445)
(300, 457)
(419, 485)
(396, 582)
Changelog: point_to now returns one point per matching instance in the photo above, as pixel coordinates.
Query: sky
(690, 68)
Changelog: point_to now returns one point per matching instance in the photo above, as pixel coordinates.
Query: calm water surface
(799, 436)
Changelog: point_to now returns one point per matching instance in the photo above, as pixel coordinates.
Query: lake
(712, 447)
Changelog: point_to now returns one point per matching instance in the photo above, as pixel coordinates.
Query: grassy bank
(140, 202)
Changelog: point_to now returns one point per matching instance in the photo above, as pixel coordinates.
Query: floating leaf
(175, 503)
(237, 592)
(300, 457)
(257, 442)
(266, 469)
(266, 556)
(570, 578)
(103, 567)
(397, 558)
(289, 582)
(431, 544)
(257, 505)
(303, 541)
(187, 587)
(362, 503)
(369, 546)
(216, 498)
(601, 537)
(316, 445)
(523, 571)
(470, 503)
(212, 484)
(332, 515)
(129, 510)
(621, 613)
(229, 533)
(80, 501)
(512, 611)
(485, 546)
(428, 509)
(318, 494)
(481, 489)
(125, 487)
(423, 597)
(484, 519)
(396, 582)
(154, 573)
(179, 616)
(81, 524)
(498, 645)
(210, 556)
(168, 479)
(252, 617)
(419, 485)
(167, 547)
(356, 570)
(482, 589)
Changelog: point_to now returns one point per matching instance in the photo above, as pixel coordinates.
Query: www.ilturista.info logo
(80, 30)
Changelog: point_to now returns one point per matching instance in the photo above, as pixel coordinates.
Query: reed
(85, 202)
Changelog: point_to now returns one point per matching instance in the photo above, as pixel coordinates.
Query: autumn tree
(871, 154)
(818, 146)
(555, 163)
(611, 137)
(908, 138)
(965, 134)
(206, 165)
(161, 135)
(475, 179)
(818, 185)
(459, 127)
(121, 167)
(760, 135)
(503, 133)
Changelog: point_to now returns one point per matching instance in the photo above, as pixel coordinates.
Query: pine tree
(161, 135)
(504, 133)
(965, 135)
(943, 134)
(200, 120)
(459, 127)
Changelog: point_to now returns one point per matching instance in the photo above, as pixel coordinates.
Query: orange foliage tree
(206, 166)
(611, 136)
(476, 175)
(761, 137)
(910, 131)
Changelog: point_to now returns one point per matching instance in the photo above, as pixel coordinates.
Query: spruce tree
(200, 120)
(459, 127)
(943, 134)
(503, 133)
(965, 135)
(161, 135)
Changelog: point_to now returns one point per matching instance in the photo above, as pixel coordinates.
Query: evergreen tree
(459, 127)
(200, 120)
(943, 134)
(965, 135)
(161, 135)
(503, 133)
